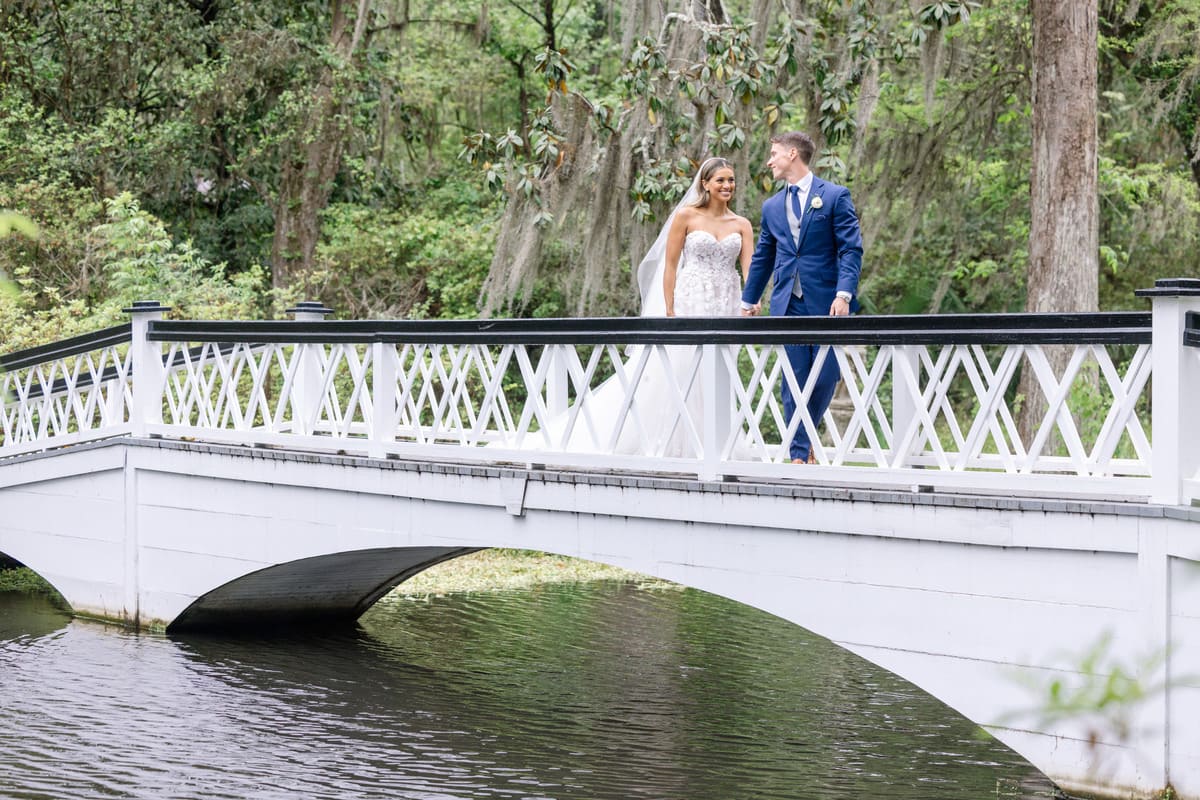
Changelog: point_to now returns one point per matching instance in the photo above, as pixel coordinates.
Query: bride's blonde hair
(704, 174)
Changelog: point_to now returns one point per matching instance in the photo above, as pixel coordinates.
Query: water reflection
(599, 691)
(27, 617)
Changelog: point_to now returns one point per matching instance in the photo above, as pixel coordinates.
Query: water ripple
(596, 691)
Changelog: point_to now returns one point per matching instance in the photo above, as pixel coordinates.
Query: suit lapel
(818, 186)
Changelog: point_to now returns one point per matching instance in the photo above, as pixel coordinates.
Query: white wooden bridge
(1043, 581)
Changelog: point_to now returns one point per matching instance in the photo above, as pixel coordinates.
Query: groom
(810, 244)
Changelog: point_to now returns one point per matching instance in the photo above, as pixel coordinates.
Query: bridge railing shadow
(934, 402)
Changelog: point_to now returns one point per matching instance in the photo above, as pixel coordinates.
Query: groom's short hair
(803, 143)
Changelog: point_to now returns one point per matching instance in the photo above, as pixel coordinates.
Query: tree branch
(540, 22)
(400, 26)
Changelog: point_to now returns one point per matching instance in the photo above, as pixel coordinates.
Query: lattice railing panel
(77, 396)
(955, 408)
(950, 407)
(560, 398)
(965, 406)
(447, 393)
(313, 389)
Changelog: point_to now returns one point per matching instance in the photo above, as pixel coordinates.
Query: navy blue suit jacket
(827, 259)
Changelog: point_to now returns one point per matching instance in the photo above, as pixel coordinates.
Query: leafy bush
(414, 264)
(126, 258)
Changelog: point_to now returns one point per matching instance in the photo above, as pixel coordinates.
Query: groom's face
(781, 159)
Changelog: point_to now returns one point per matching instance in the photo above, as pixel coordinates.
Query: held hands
(839, 308)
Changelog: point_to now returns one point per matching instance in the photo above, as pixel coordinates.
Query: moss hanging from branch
(582, 203)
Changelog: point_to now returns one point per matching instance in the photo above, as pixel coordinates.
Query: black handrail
(64, 348)
(1124, 327)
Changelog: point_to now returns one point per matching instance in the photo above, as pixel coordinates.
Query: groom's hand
(752, 311)
(840, 308)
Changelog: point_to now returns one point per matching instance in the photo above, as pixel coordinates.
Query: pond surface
(598, 690)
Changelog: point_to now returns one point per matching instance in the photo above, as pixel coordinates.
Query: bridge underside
(329, 589)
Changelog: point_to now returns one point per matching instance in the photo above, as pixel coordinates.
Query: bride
(690, 271)
(710, 238)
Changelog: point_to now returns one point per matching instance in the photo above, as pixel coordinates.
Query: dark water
(596, 691)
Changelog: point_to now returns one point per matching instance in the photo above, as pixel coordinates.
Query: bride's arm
(674, 247)
(747, 231)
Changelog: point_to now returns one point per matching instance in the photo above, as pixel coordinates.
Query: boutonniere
(816, 202)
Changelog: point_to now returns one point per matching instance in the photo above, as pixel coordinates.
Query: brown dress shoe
(799, 461)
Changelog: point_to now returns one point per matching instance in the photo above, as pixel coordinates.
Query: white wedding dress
(664, 413)
(706, 285)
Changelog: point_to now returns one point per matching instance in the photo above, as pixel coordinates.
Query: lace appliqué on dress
(706, 282)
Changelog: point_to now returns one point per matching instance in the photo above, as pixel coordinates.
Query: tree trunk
(1064, 230)
(1064, 235)
(315, 157)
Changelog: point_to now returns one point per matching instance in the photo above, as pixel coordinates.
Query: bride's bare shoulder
(684, 218)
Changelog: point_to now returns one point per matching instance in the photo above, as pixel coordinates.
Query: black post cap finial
(141, 306)
(309, 307)
(1172, 287)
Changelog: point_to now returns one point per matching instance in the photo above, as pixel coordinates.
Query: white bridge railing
(1106, 408)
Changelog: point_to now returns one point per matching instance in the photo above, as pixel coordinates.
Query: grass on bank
(23, 579)
(501, 570)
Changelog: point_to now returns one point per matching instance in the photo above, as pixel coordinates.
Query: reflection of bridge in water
(192, 473)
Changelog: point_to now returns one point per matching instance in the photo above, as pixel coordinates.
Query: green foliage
(26, 581)
(403, 263)
(140, 261)
(196, 109)
(1141, 235)
(945, 13)
(9, 223)
(1104, 693)
(128, 257)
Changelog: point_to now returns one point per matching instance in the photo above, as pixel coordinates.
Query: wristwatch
(845, 296)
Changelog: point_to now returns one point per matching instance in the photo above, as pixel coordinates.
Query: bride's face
(721, 184)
